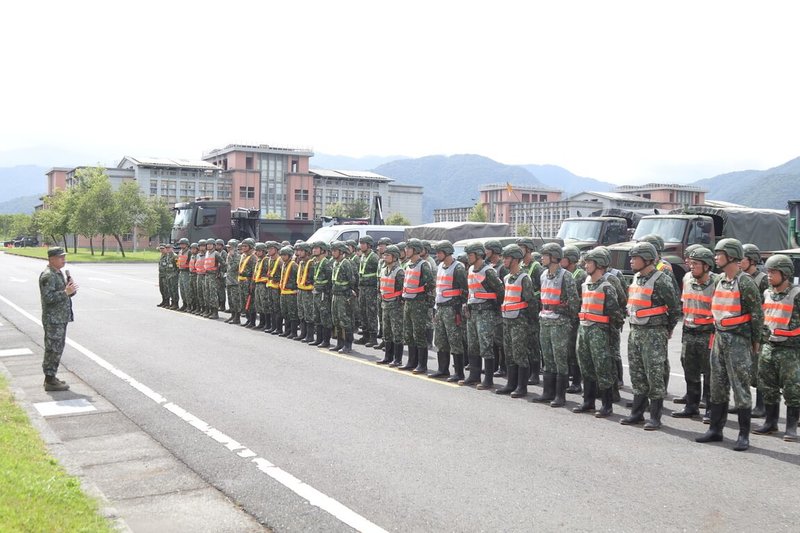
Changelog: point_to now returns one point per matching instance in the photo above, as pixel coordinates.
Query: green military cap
(351, 243)
(322, 245)
(233, 242)
(645, 250)
(167, 245)
(703, 254)
(656, 240)
(55, 251)
(273, 244)
(194, 245)
(339, 245)
(219, 241)
(752, 252)
(210, 242)
(401, 246)
(287, 250)
(781, 263)
(689, 249)
(428, 245)
(600, 256)
(475, 248)
(160, 245)
(304, 246)
(201, 242)
(732, 247)
(445, 246)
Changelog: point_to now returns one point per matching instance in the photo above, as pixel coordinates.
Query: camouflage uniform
(557, 319)
(617, 279)
(416, 305)
(483, 313)
(698, 328)
(343, 278)
(392, 305)
(288, 290)
(517, 327)
(247, 265)
(273, 286)
(368, 297)
(168, 270)
(322, 292)
(305, 298)
(223, 269)
(213, 264)
(194, 303)
(448, 322)
(261, 304)
(183, 277)
(594, 332)
(231, 280)
(200, 281)
(56, 313)
(534, 270)
(579, 276)
(779, 364)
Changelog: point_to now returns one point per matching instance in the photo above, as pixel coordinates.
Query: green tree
(127, 210)
(53, 220)
(478, 214)
(338, 210)
(158, 219)
(398, 219)
(86, 199)
(524, 230)
(358, 209)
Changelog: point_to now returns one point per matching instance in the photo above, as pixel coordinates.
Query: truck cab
(587, 232)
(202, 219)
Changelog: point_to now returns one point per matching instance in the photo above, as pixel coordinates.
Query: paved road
(275, 424)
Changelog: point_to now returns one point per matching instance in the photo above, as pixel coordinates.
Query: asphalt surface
(395, 452)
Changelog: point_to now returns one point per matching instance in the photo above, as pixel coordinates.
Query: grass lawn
(84, 256)
(35, 492)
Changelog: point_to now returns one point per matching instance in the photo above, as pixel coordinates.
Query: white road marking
(64, 407)
(307, 492)
(15, 351)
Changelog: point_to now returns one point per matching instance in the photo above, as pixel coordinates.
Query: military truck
(793, 250)
(705, 225)
(603, 227)
(204, 218)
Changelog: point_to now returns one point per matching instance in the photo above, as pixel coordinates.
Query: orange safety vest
(726, 306)
(200, 265)
(271, 283)
(302, 277)
(512, 298)
(411, 286)
(640, 300)
(387, 286)
(475, 285)
(444, 283)
(183, 261)
(211, 263)
(286, 271)
(593, 304)
(778, 315)
(697, 304)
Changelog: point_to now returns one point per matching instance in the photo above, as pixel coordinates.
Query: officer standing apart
(56, 293)
(485, 293)
(779, 363)
(368, 292)
(518, 309)
(653, 312)
(560, 306)
(343, 281)
(448, 324)
(419, 295)
(738, 319)
(391, 292)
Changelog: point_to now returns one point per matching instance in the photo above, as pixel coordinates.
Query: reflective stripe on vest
(336, 268)
(512, 298)
(183, 261)
(243, 260)
(411, 286)
(211, 262)
(593, 304)
(697, 304)
(200, 264)
(778, 315)
(271, 282)
(640, 300)
(387, 287)
(475, 284)
(192, 269)
(286, 270)
(257, 277)
(363, 265)
(726, 306)
(444, 283)
(551, 293)
(302, 276)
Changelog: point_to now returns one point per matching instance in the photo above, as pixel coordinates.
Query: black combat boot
(548, 388)
(422, 361)
(262, 321)
(303, 331)
(388, 355)
(682, 400)
(348, 343)
(500, 363)
(398, 355)
(318, 340)
(277, 327)
(363, 339)
(792, 415)
(230, 319)
(511, 382)
(412, 359)
(608, 404)
(339, 342)
(474, 372)
(488, 375)
(589, 397)
(310, 330)
(743, 440)
(372, 340)
(655, 415)
(718, 416)
(575, 387)
(251, 321)
(53, 384)
(429, 338)
(637, 411)
(214, 315)
(380, 346)
(443, 358)
(692, 401)
(706, 392)
(535, 367)
(522, 382)
(235, 319)
(293, 325)
(326, 338)
(562, 380)
(163, 303)
(758, 409)
(771, 423)
(458, 369)
(182, 308)
(620, 373)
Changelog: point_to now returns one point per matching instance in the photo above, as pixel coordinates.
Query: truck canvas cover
(457, 231)
(766, 228)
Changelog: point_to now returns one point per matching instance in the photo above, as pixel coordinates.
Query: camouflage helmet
(462, 258)
(201, 242)
(233, 243)
(340, 246)
(571, 252)
(656, 240)
(600, 255)
(303, 246)
(261, 247)
(781, 263)
(394, 250)
(752, 252)
(287, 250)
(351, 243)
(401, 246)
(527, 242)
(248, 242)
(428, 246)
(513, 251)
(272, 244)
(194, 245)
(446, 247)
(475, 248)
(689, 249)
(183, 241)
(322, 245)
(732, 248)
(220, 242)
(415, 244)
(210, 242)
(552, 249)
(385, 240)
(645, 250)
(703, 254)
(368, 240)
(493, 245)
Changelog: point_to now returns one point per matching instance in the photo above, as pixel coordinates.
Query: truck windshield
(183, 217)
(324, 235)
(580, 230)
(669, 229)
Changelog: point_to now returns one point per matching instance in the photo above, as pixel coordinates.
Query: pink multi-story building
(667, 195)
(498, 198)
(57, 179)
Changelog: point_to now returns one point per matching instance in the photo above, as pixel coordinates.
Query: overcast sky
(620, 91)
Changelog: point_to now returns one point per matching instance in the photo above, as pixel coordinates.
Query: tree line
(92, 208)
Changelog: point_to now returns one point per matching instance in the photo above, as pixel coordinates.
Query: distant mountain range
(769, 188)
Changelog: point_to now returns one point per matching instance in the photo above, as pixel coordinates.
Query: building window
(294, 165)
(526, 197)
(153, 187)
(671, 197)
(301, 216)
(696, 199)
(542, 197)
(247, 192)
(301, 194)
(248, 163)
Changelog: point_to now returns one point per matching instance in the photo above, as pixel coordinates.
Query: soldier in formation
(570, 257)
(368, 292)
(343, 288)
(451, 294)
(750, 265)
(392, 278)
(532, 266)
(288, 292)
(305, 296)
(232, 282)
(418, 294)
(323, 272)
(183, 272)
